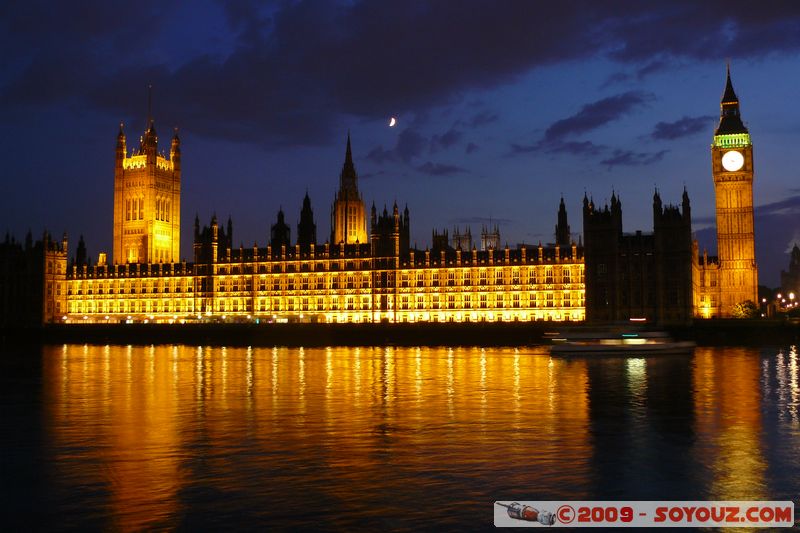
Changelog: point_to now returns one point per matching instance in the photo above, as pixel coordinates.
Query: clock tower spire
(732, 169)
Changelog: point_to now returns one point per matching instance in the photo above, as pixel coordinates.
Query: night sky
(502, 107)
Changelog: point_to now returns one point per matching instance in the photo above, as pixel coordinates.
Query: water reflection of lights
(328, 372)
(198, 372)
(783, 379)
(146, 442)
(551, 384)
(728, 422)
(450, 382)
(174, 368)
(516, 378)
(224, 372)
(274, 374)
(151, 367)
(793, 368)
(357, 371)
(389, 375)
(418, 372)
(249, 359)
(794, 387)
(636, 368)
(106, 362)
(483, 384)
(301, 377)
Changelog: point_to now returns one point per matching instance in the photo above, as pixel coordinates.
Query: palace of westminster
(367, 272)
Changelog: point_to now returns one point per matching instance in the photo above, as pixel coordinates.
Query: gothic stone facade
(354, 278)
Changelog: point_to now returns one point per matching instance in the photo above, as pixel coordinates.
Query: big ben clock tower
(732, 168)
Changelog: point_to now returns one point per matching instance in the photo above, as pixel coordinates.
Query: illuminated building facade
(147, 201)
(732, 277)
(357, 277)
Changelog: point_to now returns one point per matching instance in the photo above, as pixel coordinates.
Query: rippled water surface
(393, 438)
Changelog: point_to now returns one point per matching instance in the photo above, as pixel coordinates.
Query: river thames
(165, 437)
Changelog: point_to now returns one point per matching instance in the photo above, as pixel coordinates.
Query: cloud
(471, 148)
(596, 114)
(615, 78)
(247, 71)
(517, 149)
(482, 119)
(652, 67)
(582, 148)
(592, 116)
(786, 207)
(579, 148)
(718, 29)
(411, 145)
(380, 155)
(630, 158)
(370, 175)
(681, 128)
(439, 169)
(446, 140)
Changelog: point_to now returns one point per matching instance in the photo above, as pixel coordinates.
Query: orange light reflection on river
(179, 436)
(135, 420)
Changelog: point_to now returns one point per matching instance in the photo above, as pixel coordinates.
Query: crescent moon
(392, 122)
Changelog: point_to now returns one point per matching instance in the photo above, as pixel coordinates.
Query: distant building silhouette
(280, 233)
(562, 228)
(638, 275)
(490, 237)
(462, 239)
(390, 232)
(306, 228)
(790, 280)
(32, 286)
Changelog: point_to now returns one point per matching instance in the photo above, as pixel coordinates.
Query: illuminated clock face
(732, 161)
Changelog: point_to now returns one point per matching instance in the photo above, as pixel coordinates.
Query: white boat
(619, 342)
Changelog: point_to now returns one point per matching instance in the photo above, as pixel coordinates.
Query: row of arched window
(134, 208)
(162, 209)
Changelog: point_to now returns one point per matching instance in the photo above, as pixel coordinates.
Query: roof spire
(348, 156)
(729, 96)
(730, 121)
(348, 178)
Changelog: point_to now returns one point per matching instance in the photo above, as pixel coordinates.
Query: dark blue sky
(502, 107)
